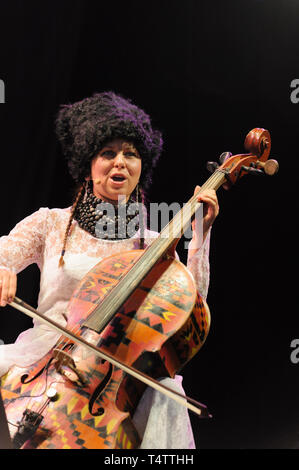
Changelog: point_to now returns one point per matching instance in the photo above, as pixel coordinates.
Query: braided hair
(68, 228)
(84, 127)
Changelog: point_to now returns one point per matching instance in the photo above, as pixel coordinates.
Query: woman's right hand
(8, 286)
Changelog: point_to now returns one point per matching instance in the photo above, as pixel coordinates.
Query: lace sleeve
(199, 265)
(24, 244)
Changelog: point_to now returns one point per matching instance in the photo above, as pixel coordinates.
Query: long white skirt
(164, 423)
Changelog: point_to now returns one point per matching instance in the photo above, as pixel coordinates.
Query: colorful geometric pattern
(158, 329)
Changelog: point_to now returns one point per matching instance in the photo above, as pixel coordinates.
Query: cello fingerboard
(173, 231)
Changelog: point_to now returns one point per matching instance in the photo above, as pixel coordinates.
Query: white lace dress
(38, 239)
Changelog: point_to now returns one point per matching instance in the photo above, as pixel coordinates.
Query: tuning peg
(252, 171)
(224, 156)
(212, 166)
(270, 167)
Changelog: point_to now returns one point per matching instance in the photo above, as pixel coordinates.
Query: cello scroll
(255, 162)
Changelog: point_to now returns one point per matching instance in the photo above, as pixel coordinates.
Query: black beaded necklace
(105, 220)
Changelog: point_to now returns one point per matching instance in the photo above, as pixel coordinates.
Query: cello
(133, 311)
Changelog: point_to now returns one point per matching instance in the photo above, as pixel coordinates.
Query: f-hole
(97, 392)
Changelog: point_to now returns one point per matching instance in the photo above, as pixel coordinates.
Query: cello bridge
(65, 365)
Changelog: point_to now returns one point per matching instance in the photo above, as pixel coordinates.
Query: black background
(207, 73)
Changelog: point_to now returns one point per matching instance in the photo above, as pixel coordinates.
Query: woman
(111, 149)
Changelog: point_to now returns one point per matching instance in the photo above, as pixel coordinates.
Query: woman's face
(115, 171)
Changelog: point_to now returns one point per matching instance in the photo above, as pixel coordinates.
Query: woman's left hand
(210, 208)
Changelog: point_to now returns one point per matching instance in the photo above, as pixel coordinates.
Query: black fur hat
(85, 126)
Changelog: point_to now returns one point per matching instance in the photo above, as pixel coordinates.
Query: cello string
(110, 303)
(185, 401)
(73, 330)
(76, 329)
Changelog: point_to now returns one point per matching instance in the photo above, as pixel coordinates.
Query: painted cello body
(80, 402)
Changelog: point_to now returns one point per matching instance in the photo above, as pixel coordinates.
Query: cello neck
(177, 226)
(170, 234)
